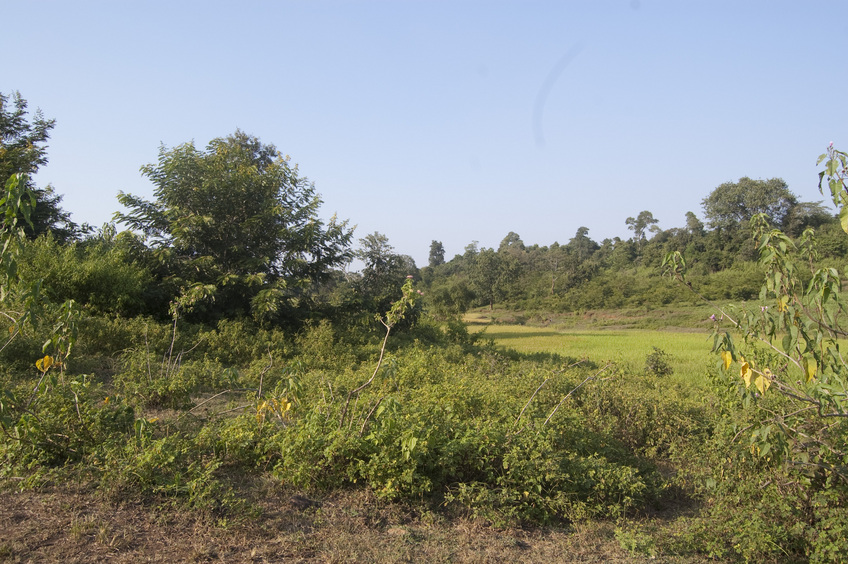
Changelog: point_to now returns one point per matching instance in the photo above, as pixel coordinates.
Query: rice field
(689, 352)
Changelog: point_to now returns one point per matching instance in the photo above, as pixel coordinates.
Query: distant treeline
(584, 274)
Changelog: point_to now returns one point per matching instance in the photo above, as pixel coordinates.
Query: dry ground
(58, 525)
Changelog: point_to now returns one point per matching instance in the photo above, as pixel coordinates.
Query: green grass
(689, 351)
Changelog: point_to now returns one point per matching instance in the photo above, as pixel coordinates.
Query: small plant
(658, 363)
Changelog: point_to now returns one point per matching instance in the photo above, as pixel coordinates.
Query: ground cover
(468, 437)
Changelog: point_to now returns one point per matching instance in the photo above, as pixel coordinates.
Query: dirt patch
(79, 526)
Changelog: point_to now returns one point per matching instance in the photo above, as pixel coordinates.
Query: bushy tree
(23, 150)
(235, 222)
(733, 204)
(384, 272)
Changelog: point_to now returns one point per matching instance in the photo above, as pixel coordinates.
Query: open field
(689, 352)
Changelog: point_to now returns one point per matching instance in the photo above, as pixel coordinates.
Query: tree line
(233, 231)
(584, 274)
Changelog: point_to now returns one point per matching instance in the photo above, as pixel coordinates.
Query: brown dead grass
(58, 525)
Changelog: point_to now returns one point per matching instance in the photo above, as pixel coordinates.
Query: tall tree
(437, 254)
(237, 219)
(641, 224)
(23, 149)
(694, 225)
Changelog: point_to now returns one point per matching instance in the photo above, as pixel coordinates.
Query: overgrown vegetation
(219, 346)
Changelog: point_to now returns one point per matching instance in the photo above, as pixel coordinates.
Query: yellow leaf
(746, 373)
(727, 358)
(782, 303)
(44, 364)
(762, 383)
(810, 367)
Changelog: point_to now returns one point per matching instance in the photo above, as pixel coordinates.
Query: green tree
(437, 254)
(485, 274)
(384, 273)
(641, 224)
(512, 242)
(494, 276)
(582, 245)
(23, 150)
(236, 222)
(694, 226)
(733, 204)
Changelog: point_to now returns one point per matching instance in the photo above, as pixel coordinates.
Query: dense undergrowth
(148, 412)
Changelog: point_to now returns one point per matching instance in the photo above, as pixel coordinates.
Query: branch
(592, 377)
(373, 375)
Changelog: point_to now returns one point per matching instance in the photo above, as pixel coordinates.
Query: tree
(494, 275)
(23, 149)
(582, 245)
(643, 222)
(437, 254)
(733, 204)
(512, 241)
(485, 274)
(385, 271)
(237, 220)
(694, 225)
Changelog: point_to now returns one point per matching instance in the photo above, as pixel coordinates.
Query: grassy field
(689, 352)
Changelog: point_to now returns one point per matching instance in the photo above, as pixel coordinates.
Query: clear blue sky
(447, 120)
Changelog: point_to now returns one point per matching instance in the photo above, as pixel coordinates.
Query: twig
(592, 377)
(371, 379)
(528, 402)
(540, 387)
(265, 371)
(367, 417)
(207, 400)
(231, 410)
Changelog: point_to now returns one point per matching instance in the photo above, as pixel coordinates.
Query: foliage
(657, 363)
(238, 221)
(789, 399)
(23, 150)
(100, 273)
(735, 203)
(437, 254)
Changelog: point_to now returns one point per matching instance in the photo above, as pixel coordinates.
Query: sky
(456, 121)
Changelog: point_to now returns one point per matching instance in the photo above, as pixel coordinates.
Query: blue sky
(454, 121)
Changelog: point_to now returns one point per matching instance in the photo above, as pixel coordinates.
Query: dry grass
(67, 526)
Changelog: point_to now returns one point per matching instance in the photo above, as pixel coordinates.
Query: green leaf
(843, 218)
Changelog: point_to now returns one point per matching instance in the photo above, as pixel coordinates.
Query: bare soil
(61, 525)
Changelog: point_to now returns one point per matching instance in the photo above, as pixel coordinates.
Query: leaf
(762, 383)
(726, 358)
(44, 364)
(810, 367)
(843, 218)
(746, 373)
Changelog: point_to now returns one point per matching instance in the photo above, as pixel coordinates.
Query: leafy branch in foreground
(790, 345)
(396, 313)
